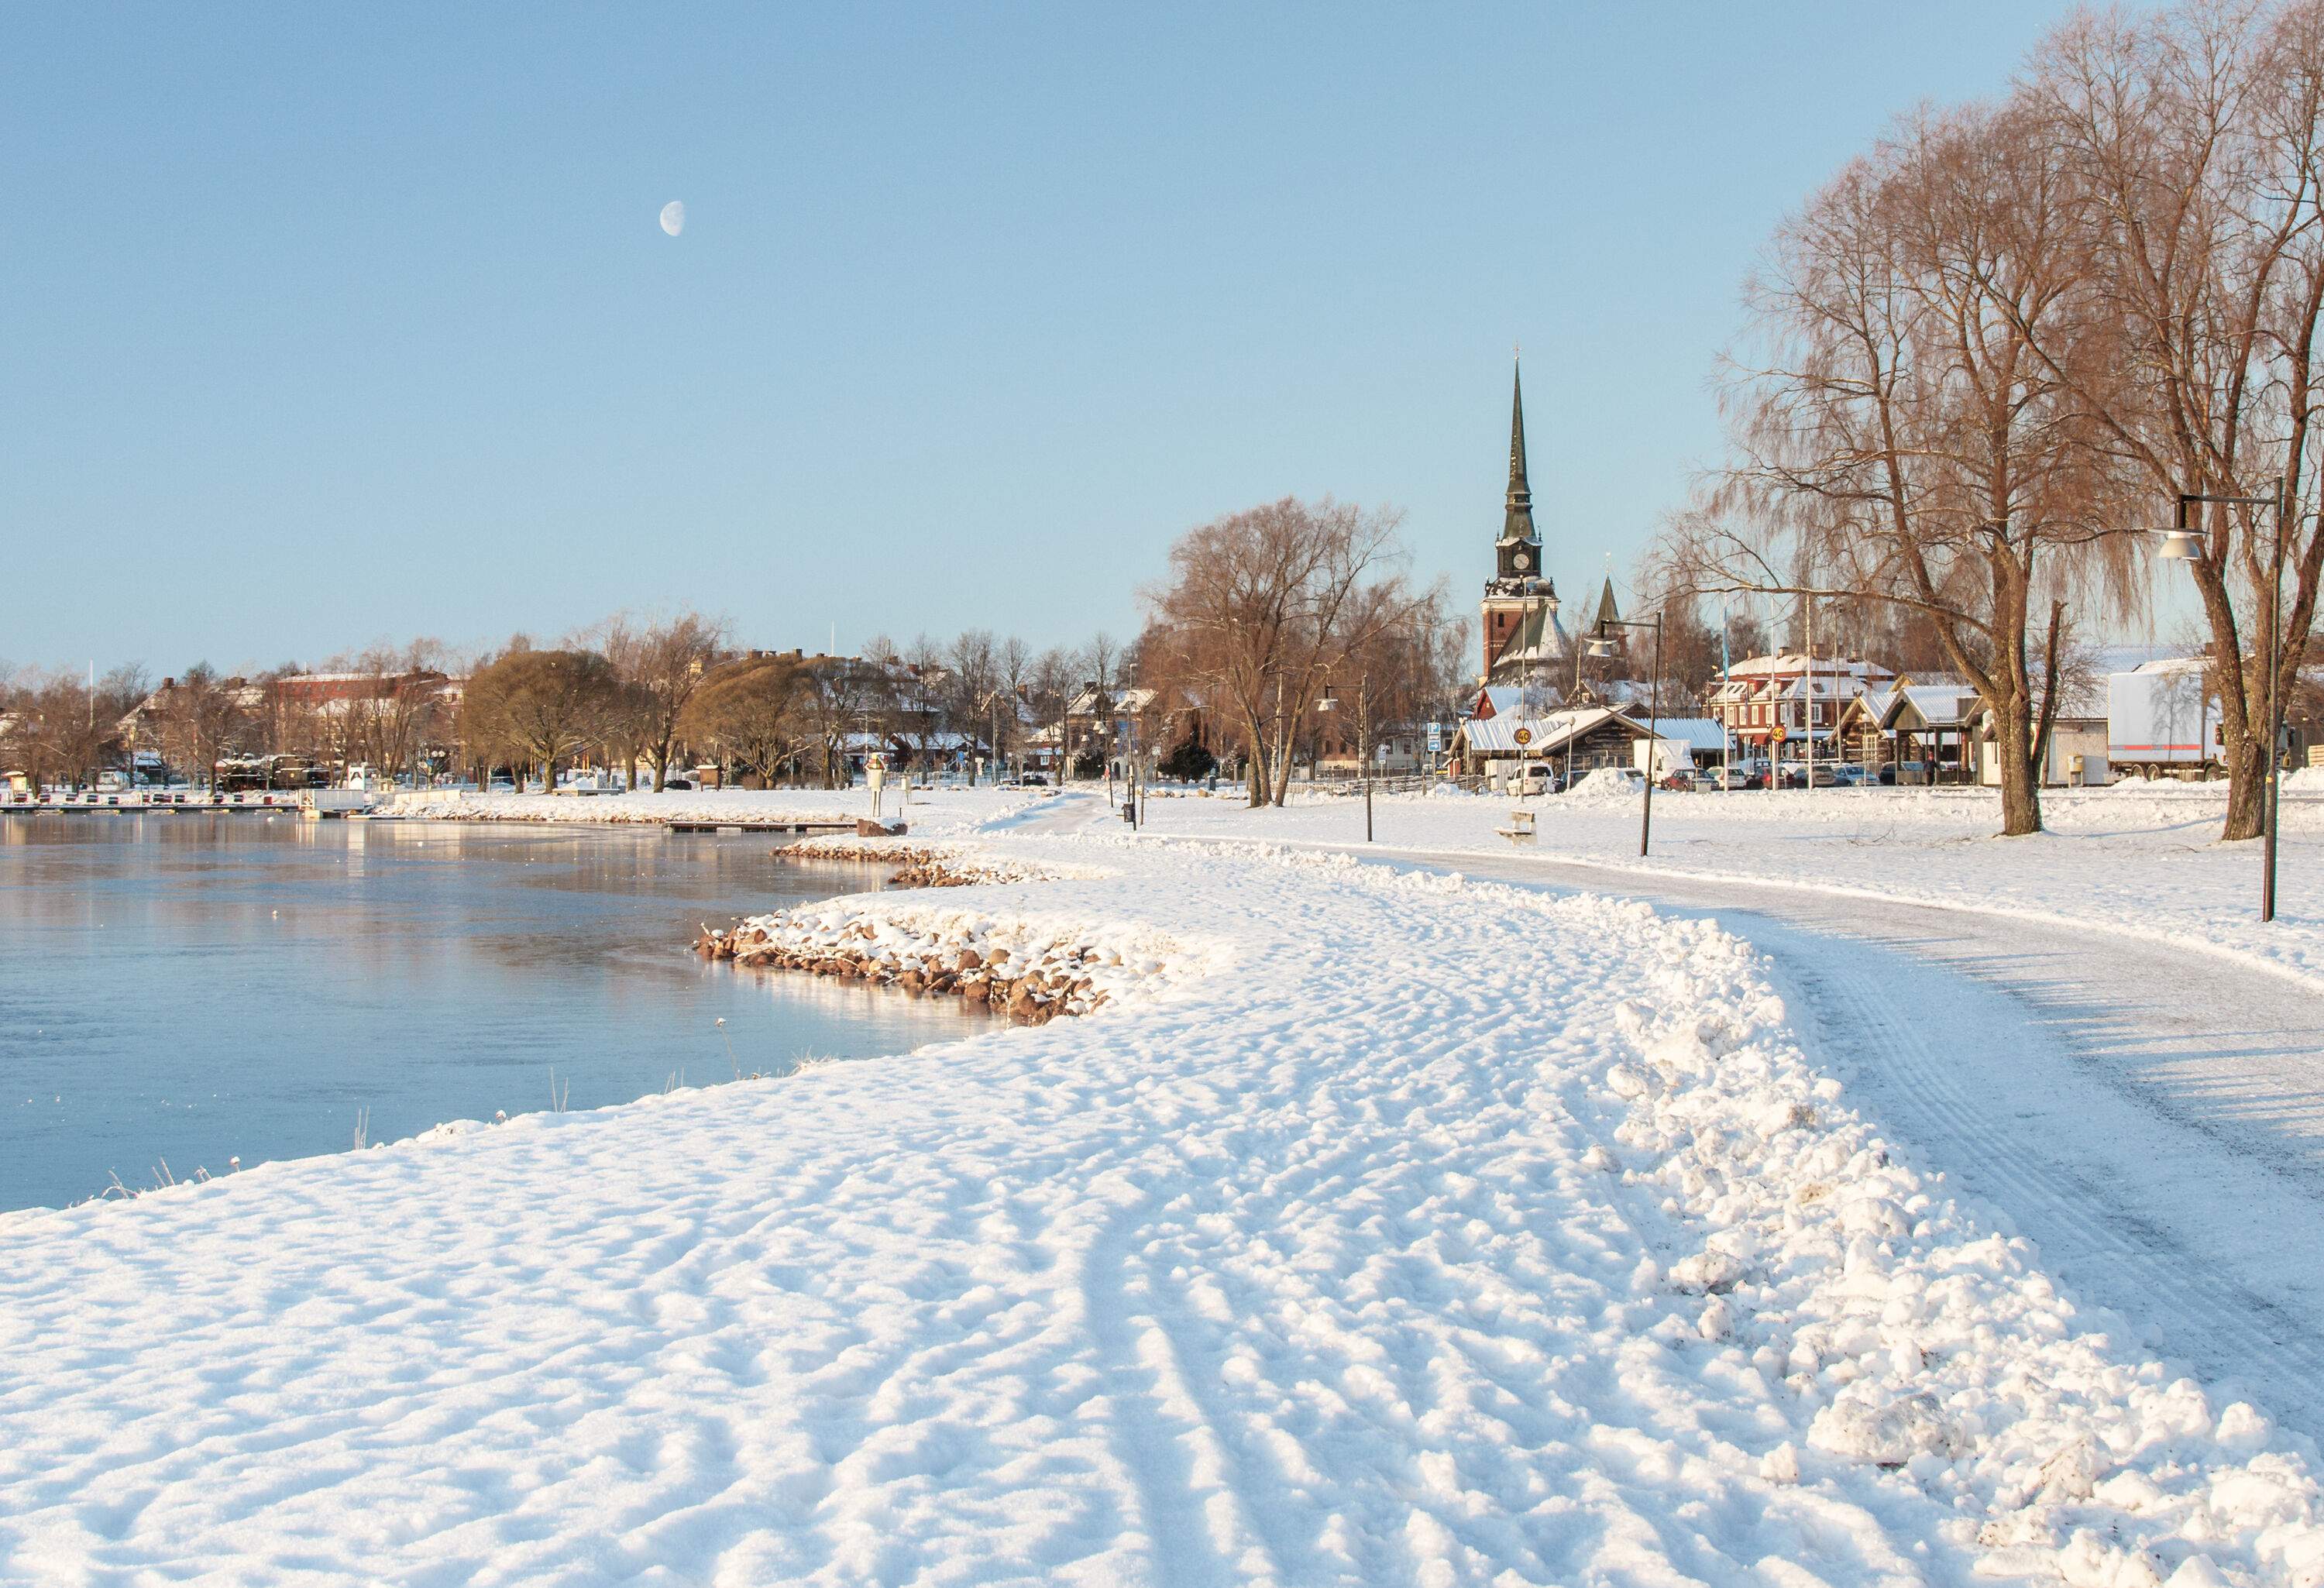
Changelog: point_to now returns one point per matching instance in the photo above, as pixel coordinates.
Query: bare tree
(971, 689)
(68, 727)
(1262, 605)
(1905, 436)
(200, 717)
(2196, 137)
(840, 696)
(395, 706)
(754, 711)
(1013, 676)
(1051, 683)
(539, 707)
(663, 661)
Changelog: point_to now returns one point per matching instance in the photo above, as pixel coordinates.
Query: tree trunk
(2247, 786)
(2021, 773)
(1255, 763)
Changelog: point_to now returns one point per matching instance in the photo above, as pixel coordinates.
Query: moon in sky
(673, 217)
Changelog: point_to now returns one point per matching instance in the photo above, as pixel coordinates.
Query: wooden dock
(281, 806)
(291, 804)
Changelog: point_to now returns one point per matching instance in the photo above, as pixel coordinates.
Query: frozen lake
(187, 989)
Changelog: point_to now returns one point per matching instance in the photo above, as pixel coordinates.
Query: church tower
(1520, 605)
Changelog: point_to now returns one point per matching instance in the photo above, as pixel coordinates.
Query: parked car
(1795, 775)
(1539, 778)
(1682, 779)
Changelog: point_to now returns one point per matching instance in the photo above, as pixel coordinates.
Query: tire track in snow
(2221, 1324)
(2061, 1101)
(1147, 1444)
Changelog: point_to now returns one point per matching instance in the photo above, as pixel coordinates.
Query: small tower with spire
(1520, 607)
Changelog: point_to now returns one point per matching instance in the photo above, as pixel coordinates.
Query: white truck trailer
(2162, 718)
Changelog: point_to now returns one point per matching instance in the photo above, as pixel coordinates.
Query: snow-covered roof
(1698, 732)
(1499, 700)
(1497, 735)
(1792, 663)
(1120, 702)
(1876, 703)
(1821, 685)
(1940, 703)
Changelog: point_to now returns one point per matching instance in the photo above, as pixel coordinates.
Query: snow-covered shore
(936, 812)
(1396, 1229)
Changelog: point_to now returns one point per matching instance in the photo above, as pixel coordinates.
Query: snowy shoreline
(1385, 1226)
(941, 812)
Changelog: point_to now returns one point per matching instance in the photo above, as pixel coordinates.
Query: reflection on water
(190, 988)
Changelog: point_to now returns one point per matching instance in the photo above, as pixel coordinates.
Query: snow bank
(1607, 783)
(1908, 1333)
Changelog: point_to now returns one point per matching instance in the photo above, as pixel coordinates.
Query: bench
(1520, 827)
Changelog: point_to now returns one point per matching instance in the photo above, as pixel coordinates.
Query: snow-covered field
(1397, 1229)
(2141, 858)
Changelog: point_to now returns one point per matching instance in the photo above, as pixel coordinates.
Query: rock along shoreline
(1026, 977)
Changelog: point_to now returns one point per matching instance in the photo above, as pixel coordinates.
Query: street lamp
(1330, 702)
(2182, 543)
(1602, 644)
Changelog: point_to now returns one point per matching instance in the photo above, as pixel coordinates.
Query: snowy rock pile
(1906, 1335)
(919, 866)
(1028, 973)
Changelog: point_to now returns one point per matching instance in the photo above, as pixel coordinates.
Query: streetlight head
(2182, 546)
(1599, 645)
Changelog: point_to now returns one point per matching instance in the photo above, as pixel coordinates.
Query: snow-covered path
(2153, 1117)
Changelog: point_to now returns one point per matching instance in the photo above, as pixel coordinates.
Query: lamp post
(1330, 701)
(1601, 643)
(2182, 543)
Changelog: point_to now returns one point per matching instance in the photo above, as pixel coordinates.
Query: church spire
(1520, 610)
(1609, 615)
(1518, 525)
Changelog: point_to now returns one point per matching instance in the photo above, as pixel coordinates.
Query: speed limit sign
(1523, 736)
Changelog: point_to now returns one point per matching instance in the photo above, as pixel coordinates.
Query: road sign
(1776, 736)
(1436, 738)
(1523, 736)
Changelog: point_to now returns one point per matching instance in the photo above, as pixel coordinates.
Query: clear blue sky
(324, 325)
